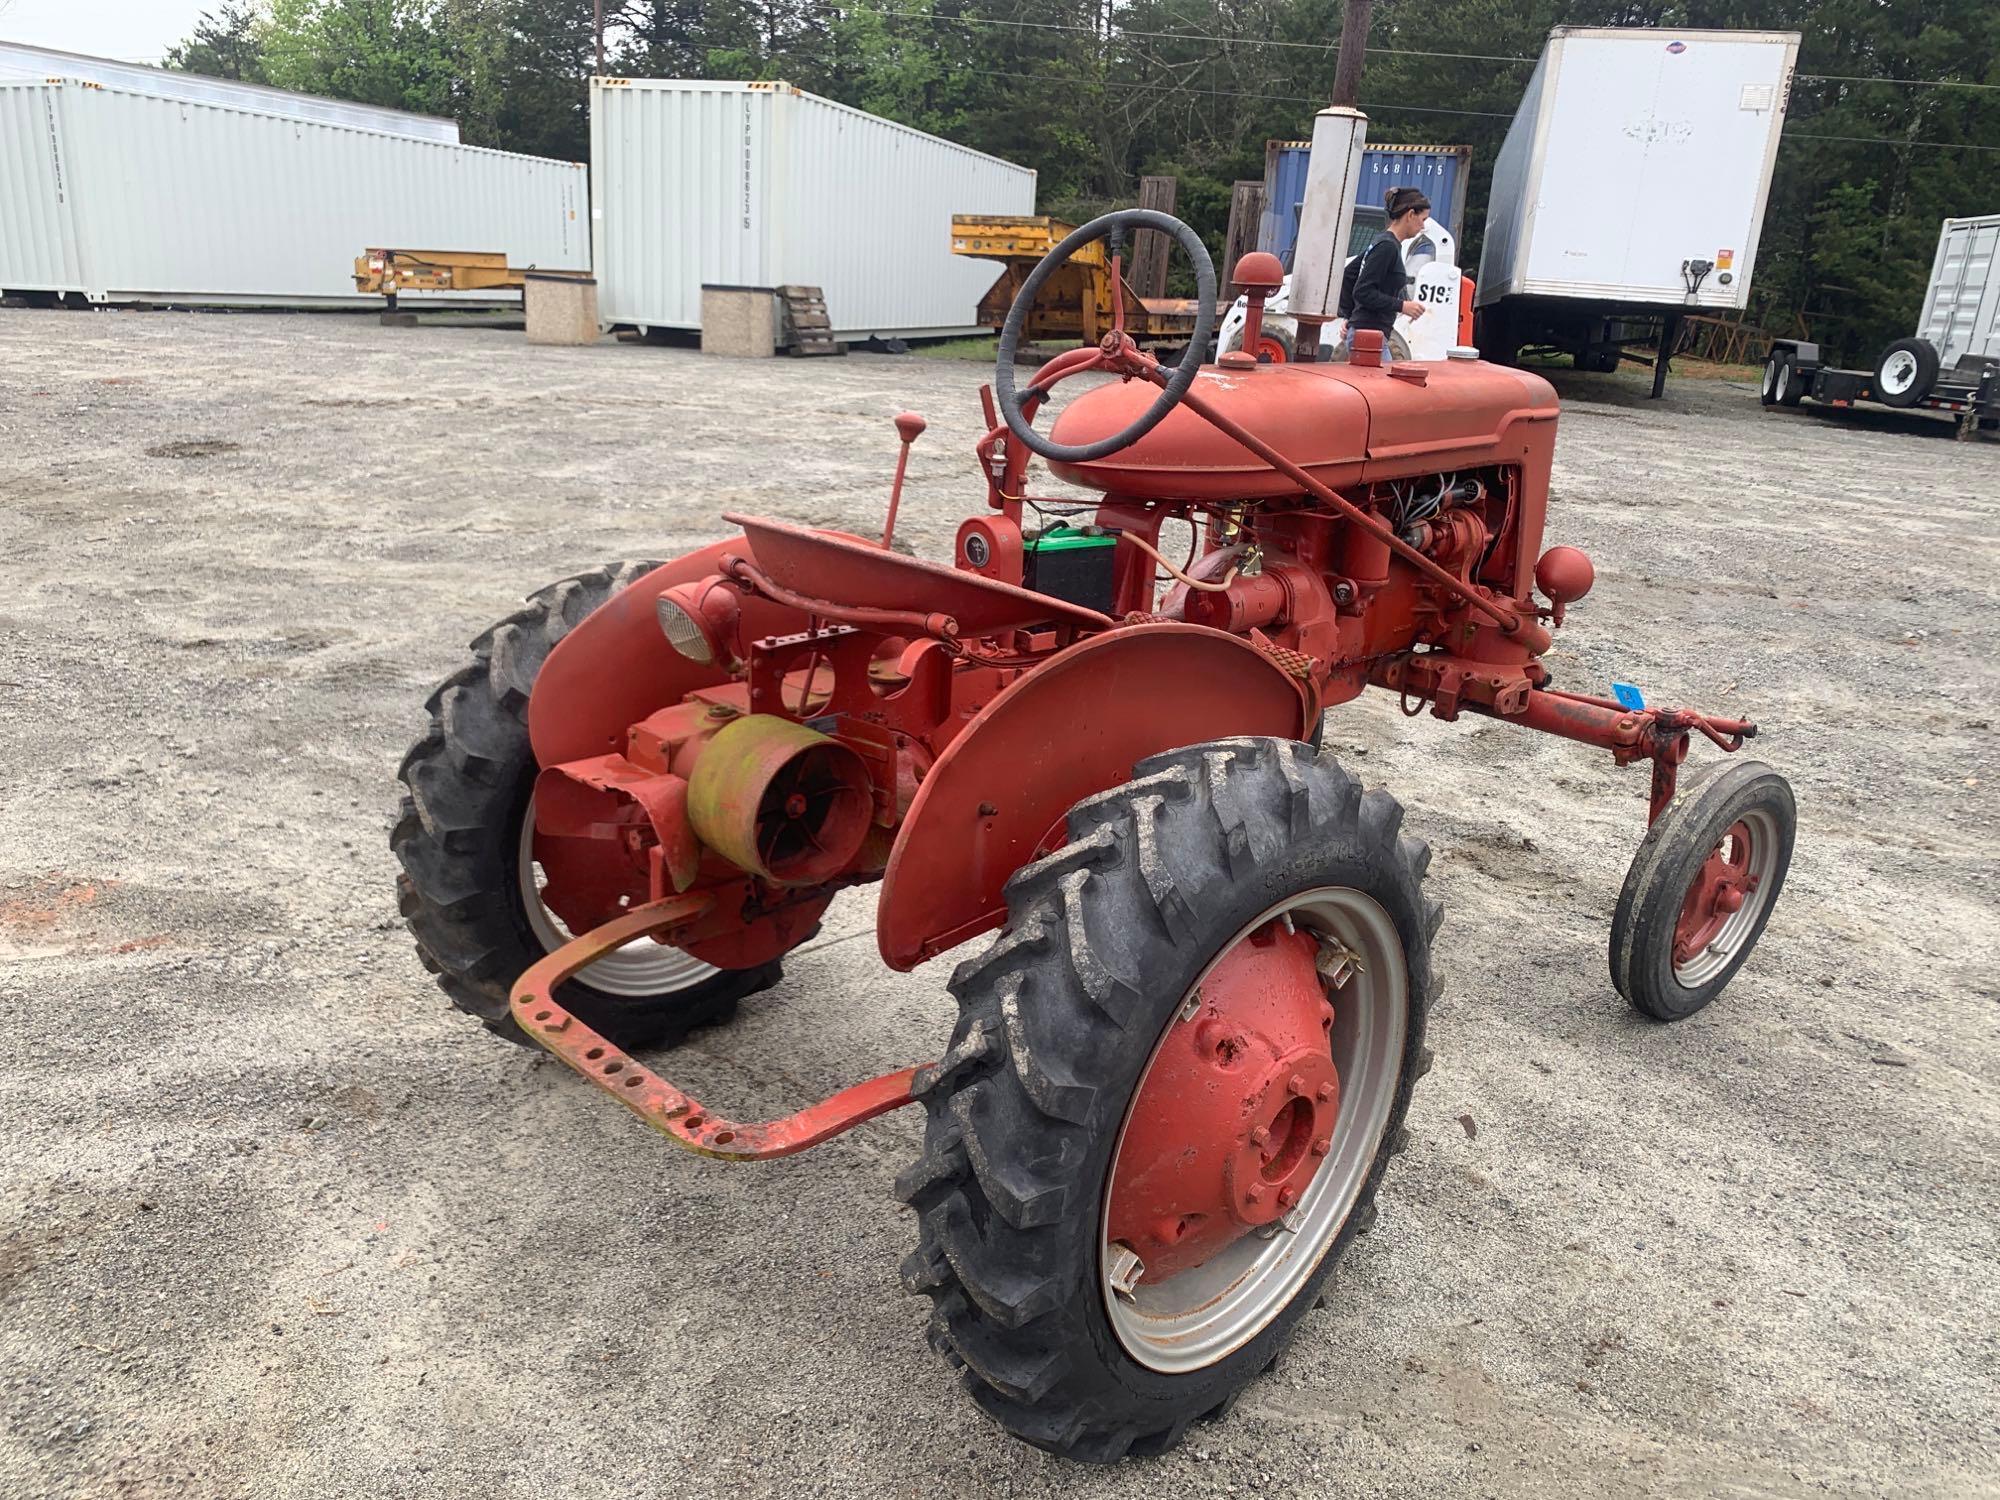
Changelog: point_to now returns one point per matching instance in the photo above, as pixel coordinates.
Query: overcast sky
(132, 30)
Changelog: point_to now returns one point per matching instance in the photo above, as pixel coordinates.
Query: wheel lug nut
(1297, 1085)
(1325, 1092)
(1323, 1145)
(1287, 1196)
(1259, 1136)
(1255, 1192)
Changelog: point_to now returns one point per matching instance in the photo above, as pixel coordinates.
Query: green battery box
(1071, 563)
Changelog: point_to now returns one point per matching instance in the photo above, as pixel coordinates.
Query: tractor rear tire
(1106, 942)
(468, 785)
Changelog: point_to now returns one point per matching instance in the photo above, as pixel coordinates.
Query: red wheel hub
(1270, 351)
(1717, 893)
(1236, 1113)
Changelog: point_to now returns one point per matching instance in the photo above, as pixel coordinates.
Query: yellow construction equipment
(388, 273)
(1075, 303)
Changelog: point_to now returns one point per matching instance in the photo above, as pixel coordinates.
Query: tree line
(1093, 94)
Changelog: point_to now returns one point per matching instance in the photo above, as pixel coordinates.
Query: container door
(38, 244)
(1961, 314)
(1657, 153)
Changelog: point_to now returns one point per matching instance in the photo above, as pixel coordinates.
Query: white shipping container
(764, 185)
(130, 197)
(1634, 152)
(22, 63)
(1961, 313)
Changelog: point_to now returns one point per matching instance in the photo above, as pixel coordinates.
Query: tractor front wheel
(1701, 888)
(470, 888)
(1177, 1077)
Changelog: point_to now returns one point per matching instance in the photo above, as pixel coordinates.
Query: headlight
(683, 631)
(698, 620)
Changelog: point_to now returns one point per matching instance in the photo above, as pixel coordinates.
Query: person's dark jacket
(1379, 286)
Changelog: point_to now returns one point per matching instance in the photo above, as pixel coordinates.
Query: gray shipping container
(117, 196)
(20, 63)
(1961, 312)
(697, 182)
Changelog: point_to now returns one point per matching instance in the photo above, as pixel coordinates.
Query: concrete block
(740, 321)
(561, 309)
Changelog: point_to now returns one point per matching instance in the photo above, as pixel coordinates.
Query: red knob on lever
(1259, 274)
(909, 426)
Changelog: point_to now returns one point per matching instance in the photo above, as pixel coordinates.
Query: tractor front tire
(1100, 966)
(463, 838)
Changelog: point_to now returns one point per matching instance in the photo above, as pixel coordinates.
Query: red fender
(615, 667)
(1071, 727)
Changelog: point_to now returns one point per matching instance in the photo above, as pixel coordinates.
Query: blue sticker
(1628, 696)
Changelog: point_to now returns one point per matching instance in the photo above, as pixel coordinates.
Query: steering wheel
(1116, 345)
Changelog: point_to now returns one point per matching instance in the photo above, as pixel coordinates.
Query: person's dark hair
(1400, 201)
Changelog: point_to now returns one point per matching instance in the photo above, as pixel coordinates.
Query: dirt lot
(273, 1222)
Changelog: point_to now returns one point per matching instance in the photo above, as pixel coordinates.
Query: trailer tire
(468, 783)
(1906, 372)
(1792, 388)
(1058, 1024)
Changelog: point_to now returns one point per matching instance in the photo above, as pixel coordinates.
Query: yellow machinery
(390, 272)
(1075, 304)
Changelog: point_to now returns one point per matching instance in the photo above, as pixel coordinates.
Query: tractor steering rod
(1522, 628)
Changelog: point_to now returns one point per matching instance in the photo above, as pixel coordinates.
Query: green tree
(226, 43)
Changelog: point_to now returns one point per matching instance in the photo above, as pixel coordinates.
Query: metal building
(23, 64)
(764, 185)
(121, 196)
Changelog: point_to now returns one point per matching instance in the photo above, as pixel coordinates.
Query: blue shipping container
(1443, 172)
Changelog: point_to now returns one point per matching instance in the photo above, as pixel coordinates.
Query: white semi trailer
(1630, 190)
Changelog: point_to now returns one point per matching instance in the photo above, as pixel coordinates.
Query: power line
(1889, 140)
(1168, 86)
(1164, 36)
(1914, 83)
(1416, 109)
(1240, 39)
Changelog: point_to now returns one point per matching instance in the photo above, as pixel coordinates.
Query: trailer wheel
(1792, 388)
(1776, 375)
(1906, 372)
(1701, 888)
(468, 888)
(1276, 345)
(1177, 1077)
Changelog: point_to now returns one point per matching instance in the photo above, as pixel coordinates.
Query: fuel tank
(1340, 423)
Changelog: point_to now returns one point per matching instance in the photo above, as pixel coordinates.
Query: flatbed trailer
(1793, 373)
(1950, 364)
(1075, 304)
(389, 273)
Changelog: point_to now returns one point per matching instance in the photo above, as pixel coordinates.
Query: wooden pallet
(808, 330)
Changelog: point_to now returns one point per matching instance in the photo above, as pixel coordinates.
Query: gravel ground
(273, 1222)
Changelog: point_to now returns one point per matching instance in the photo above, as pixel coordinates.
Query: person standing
(1379, 277)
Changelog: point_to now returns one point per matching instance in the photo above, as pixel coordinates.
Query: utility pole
(597, 21)
(1353, 52)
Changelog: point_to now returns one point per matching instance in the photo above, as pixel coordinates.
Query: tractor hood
(1331, 420)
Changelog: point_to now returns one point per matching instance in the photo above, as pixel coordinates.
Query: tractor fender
(614, 668)
(1072, 727)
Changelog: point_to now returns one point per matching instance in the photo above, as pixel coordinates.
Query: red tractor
(1192, 1009)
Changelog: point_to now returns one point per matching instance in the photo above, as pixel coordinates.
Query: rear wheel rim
(1726, 900)
(1899, 372)
(641, 970)
(1270, 351)
(1771, 378)
(1198, 1316)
